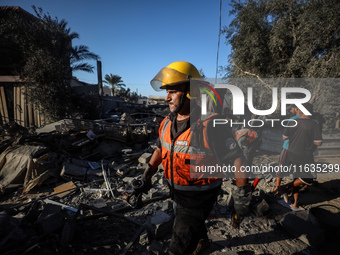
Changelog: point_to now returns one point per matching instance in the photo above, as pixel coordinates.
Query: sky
(136, 38)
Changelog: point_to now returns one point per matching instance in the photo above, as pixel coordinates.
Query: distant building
(156, 100)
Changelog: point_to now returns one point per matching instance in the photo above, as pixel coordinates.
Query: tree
(76, 54)
(278, 38)
(47, 59)
(286, 39)
(127, 95)
(115, 81)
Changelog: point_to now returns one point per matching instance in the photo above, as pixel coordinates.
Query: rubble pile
(67, 189)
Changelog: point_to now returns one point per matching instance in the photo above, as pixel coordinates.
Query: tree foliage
(115, 81)
(47, 59)
(128, 95)
(278, 38)
(286, 39)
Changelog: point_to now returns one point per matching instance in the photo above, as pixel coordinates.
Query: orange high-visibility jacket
(179, 159)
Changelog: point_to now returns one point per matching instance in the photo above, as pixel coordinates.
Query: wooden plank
(23, 113)
(4, 110)
(65, 188)
(17, 106)
(4, 78)
(39, 117)
(42, 117)
(30, 115)
(15, 102)
(35, 114)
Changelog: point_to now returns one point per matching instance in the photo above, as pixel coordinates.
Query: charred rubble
(67, 188)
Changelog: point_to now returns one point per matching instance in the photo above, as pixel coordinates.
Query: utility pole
(100, 87)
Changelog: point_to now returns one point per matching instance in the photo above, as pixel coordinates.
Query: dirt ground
(258, 234)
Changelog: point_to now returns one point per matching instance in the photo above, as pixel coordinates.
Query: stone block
(145, 158)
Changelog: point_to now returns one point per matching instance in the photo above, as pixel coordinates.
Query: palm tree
(115, 81)
(75, 55)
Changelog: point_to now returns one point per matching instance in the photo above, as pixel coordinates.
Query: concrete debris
(167, 206)
(126, 118)
(145, 158)
(99, 203)
(144, 238)
(64, 190)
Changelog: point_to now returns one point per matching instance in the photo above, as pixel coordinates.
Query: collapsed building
(67, 188)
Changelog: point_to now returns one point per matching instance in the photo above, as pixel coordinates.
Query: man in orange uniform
(187, 140)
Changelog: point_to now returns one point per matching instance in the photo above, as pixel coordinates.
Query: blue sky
(136, 38)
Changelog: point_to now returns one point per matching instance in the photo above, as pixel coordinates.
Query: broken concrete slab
(145, 158)
(56, 126)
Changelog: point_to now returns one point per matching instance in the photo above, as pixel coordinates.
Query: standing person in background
(303, 139)
(283, 155)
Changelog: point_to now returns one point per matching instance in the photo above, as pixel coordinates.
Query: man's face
(293, 110)
(173, 98)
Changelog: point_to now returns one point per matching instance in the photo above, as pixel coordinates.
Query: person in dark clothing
(303, 139)
(186, 140)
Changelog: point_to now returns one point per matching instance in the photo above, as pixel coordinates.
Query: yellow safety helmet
(175, 74)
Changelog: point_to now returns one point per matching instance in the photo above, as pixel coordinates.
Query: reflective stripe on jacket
(180, 159)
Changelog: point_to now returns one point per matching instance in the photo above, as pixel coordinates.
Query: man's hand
(146, 178)
(151, 169)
